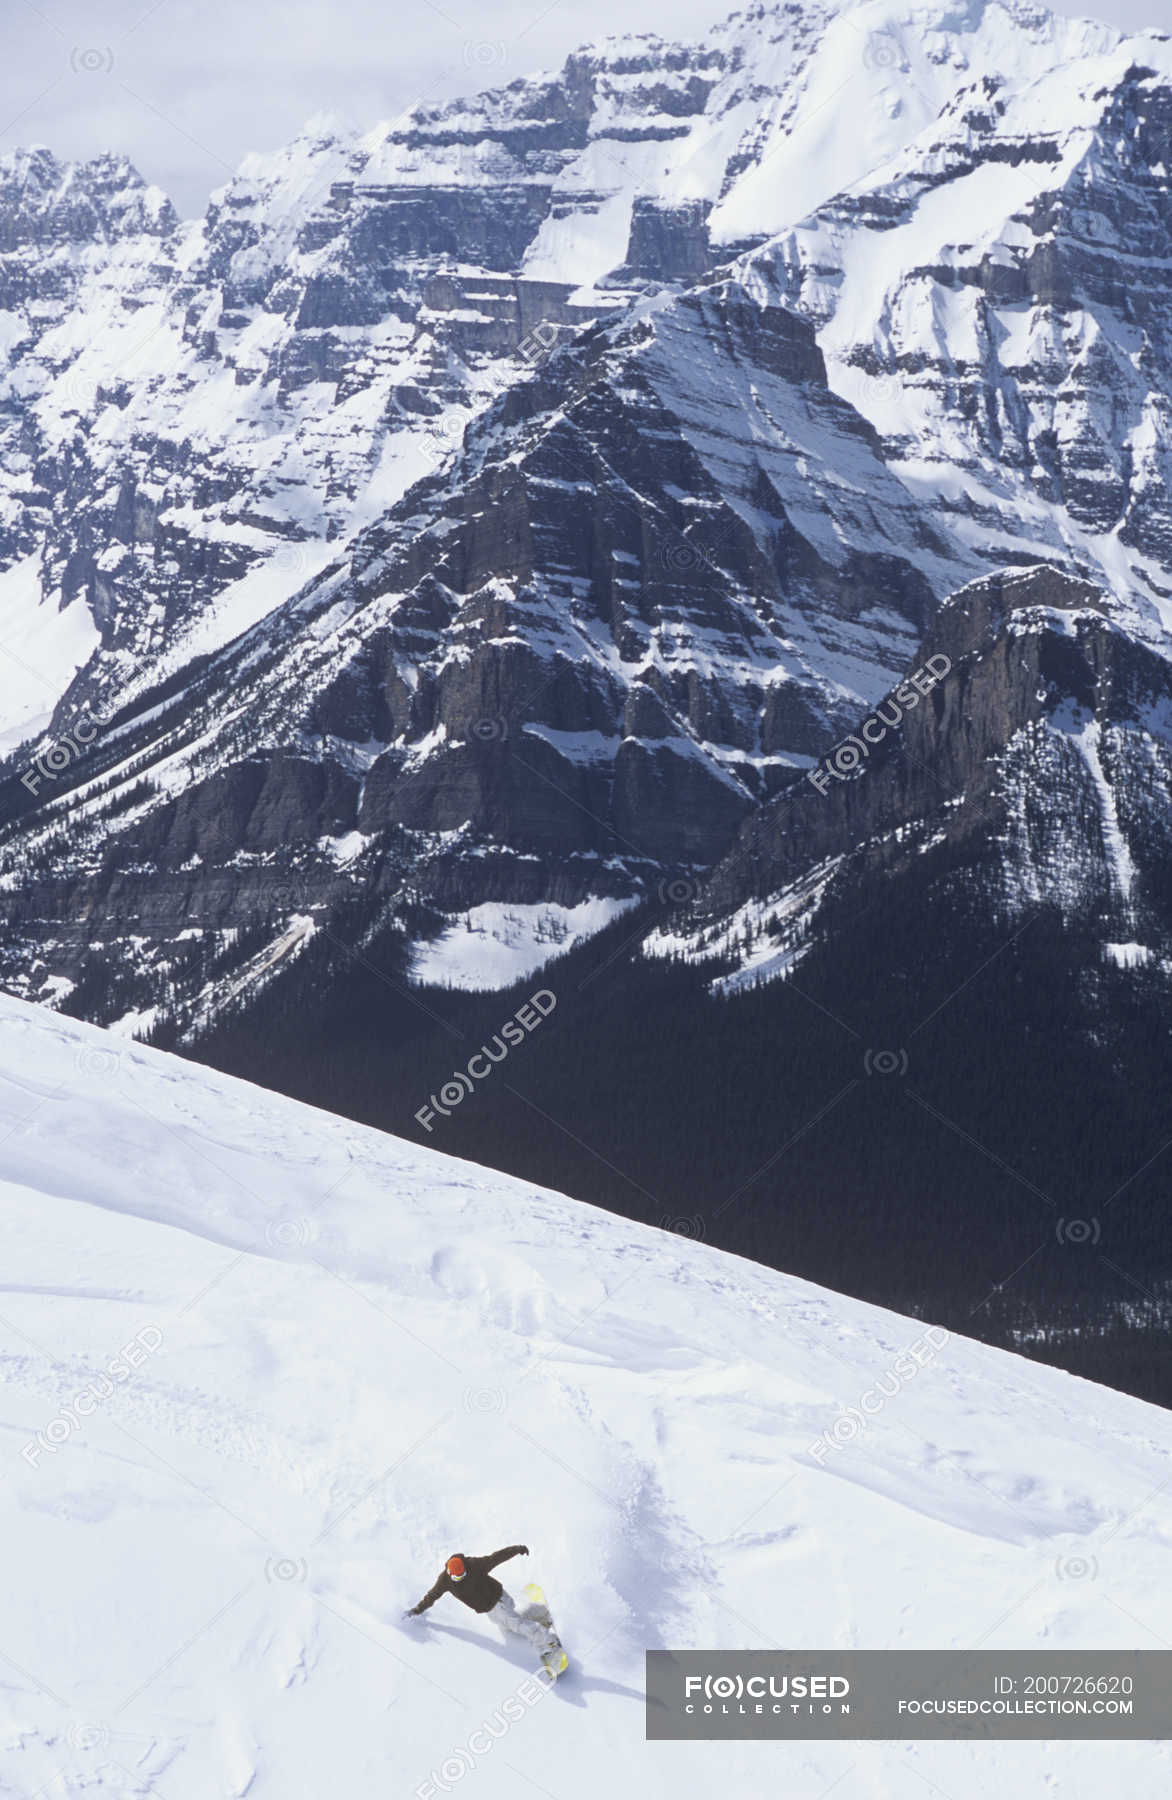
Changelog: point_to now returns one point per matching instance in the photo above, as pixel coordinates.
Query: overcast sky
(187, 87)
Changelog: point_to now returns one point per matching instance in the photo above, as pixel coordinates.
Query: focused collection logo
(462, 1082)
(844, 1695)
(754, 1693)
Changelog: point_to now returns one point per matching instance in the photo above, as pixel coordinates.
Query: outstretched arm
(500, 1556)
(438, 1587)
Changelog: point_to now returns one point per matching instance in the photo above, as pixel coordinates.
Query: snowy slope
(356, 1355)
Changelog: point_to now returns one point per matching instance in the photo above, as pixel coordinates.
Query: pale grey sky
(187, 87)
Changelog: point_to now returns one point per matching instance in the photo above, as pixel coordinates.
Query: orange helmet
(455, 1567)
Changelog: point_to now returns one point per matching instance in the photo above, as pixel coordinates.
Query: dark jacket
(476, 1588)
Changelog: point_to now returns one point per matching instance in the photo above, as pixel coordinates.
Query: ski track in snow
(369, 1354)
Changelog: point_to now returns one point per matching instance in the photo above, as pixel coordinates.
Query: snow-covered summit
(46, 201)
(772, 111)
(991, 298)
(265, 1368)
(190, 412)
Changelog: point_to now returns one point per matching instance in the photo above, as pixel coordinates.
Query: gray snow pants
(534, 1624)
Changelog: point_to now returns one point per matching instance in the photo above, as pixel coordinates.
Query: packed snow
(265, 1369)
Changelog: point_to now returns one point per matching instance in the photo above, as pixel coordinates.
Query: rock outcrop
(1030, 749)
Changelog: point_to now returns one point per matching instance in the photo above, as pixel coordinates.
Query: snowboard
(554, 1660)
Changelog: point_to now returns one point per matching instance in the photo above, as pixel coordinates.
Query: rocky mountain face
(1029, 757)
(202, 422)
(487, 546)
(992, 299)
(82, 247)
(659, 572)
(195, 413)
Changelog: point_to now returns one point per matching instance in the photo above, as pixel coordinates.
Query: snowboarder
(468, 1578)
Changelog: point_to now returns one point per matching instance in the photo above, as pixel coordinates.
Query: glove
(524, 1549)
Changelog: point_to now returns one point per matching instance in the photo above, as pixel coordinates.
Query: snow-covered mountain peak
(363, 381)
(46, 201)
(747, 120)
(970, 302)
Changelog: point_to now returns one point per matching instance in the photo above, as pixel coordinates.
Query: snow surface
(41, 646)
(354, 1355)
(1118, 851)
(243, 603)
(493, 945)
(767, 937)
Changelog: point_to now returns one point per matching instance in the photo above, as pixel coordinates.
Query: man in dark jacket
(470, 1580)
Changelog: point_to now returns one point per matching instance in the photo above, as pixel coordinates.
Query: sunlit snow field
(352, 1356)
